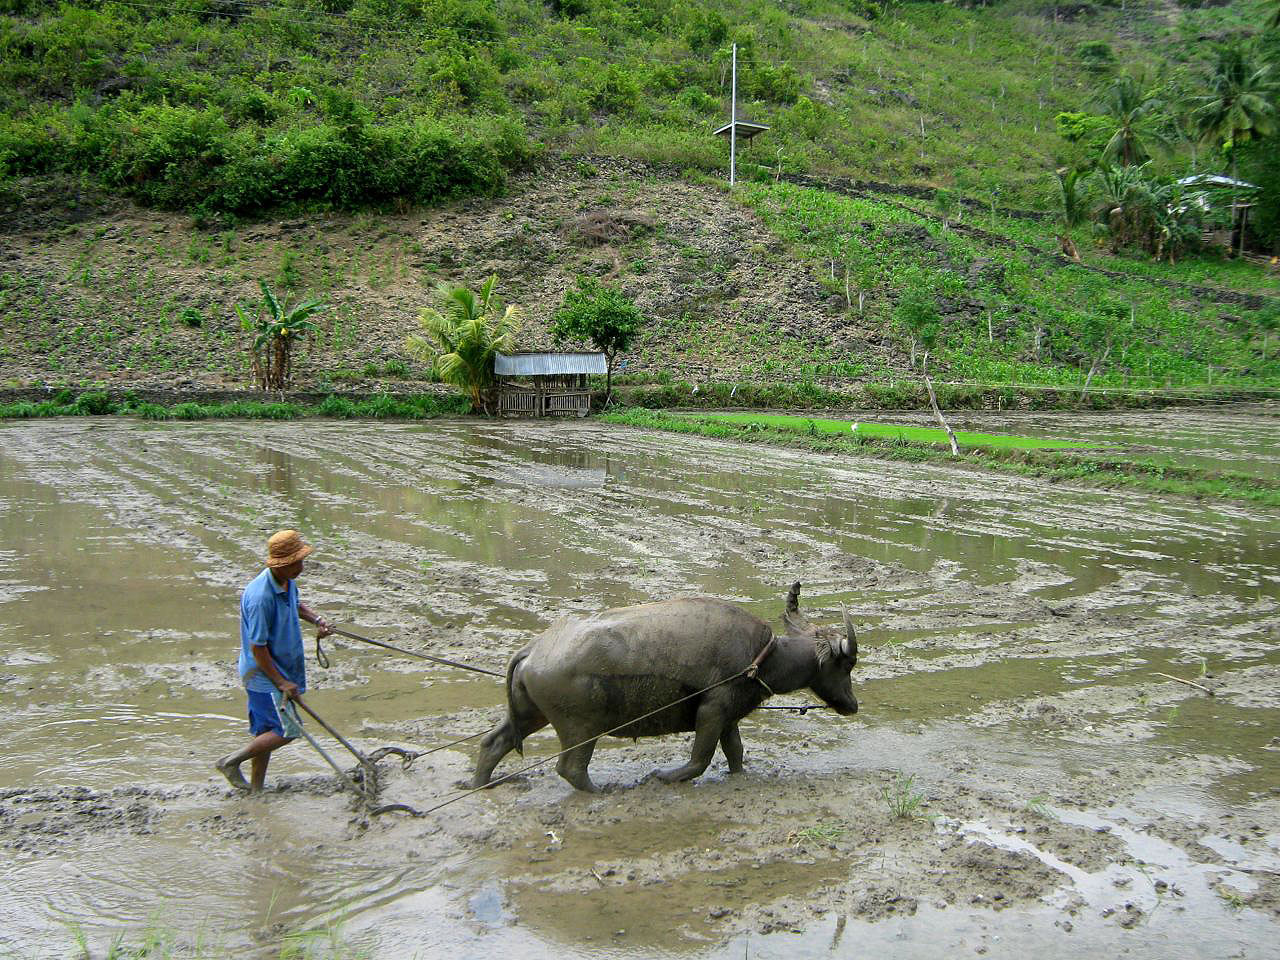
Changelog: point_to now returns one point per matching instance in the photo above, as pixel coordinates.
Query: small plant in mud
(1232, 898)
(462, 337)
(274, 330)
(821, 832)
(904, 801)
(1040, 807)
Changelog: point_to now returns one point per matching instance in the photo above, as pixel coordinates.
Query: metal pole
(733, 122)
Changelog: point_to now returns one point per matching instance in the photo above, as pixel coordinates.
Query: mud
(1019, 777)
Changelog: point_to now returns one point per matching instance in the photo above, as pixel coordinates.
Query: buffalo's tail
(514, 713)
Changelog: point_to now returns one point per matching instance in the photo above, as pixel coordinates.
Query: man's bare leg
(259, 751)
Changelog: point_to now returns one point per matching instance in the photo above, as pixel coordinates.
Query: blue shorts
(267, 715)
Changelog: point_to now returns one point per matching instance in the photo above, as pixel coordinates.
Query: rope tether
(749, 671)
(324, 661)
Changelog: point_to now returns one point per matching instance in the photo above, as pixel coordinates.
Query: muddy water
(1066, 797)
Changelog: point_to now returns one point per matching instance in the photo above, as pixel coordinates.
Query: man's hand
(289, 690)
(322, 628)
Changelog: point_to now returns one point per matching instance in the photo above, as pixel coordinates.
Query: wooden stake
(1189, 683)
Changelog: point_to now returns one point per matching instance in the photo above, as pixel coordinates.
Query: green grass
(932, 436)
(99, 403)
(1076, 468)
(188, 107)
(1013, 314)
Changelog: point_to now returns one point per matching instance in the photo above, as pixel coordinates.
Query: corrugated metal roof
(745, 130)
(547, 364)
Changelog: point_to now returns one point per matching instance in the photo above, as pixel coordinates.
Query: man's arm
(322, 626)
(262, 656)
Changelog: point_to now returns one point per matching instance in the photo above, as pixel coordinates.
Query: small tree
(1072, 197)
(463, 336)
(947, 204)
(1098, 333)
(275, 330)
(601, 314)
(917, 315)
(1136, 117)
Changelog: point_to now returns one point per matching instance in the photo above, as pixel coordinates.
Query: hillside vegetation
(331, 148)
(232, 106)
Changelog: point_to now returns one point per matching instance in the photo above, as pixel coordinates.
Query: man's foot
(231, 770)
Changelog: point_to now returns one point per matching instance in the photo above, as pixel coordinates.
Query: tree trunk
(933, 402)
(608, 378)
(1097, 362)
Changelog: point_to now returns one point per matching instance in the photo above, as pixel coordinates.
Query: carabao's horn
(849, 645)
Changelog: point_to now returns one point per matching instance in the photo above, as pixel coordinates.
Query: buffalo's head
(836, 656)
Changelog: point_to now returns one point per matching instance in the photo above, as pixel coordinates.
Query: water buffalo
(593, 675)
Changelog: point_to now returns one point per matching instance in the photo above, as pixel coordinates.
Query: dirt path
(1019, 777)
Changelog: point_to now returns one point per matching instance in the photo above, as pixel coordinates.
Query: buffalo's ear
(793, 619)
(849, 645)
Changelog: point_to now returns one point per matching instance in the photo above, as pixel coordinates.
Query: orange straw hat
(286, 547)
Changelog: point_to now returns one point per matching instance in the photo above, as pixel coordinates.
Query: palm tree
(1238, 106)
(463, 335)
(1137, 114)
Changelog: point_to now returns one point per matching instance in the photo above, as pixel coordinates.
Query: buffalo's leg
(731, 745)
(709, 726)
(500, 741)
(573, 763)
(497, 743)
(523, 718)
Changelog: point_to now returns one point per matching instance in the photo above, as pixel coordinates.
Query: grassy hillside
(235, 106)
(364, 150)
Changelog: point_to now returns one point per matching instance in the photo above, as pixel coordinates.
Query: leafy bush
(602, 315)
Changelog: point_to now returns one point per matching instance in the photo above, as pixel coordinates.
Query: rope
(748, 671)
(408, 653)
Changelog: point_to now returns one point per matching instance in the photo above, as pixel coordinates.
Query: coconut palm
(462, 337)
(1138, 116)
(1238, 107)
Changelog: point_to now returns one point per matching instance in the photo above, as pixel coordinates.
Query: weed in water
(1040, 807)
(904, 800)
(1232, 898)
(821, 832)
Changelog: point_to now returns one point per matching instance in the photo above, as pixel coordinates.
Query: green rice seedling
(1040, 807)
(821, 832)
(903, 800)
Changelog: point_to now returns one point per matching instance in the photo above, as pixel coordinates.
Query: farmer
(272, 662)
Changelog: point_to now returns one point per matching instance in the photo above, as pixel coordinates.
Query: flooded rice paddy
(1061, 796)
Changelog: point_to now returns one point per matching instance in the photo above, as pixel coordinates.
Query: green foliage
(464, 334)
(602, 315)
(1137, 210)
(917, 316)
(1137, 119)
(902, 798)
(1071, 197)
(1239, 106)
(273, 332)
(1097, 55)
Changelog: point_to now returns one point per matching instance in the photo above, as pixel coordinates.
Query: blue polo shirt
(269, 617)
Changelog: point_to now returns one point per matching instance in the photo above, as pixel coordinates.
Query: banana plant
(274, 330)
